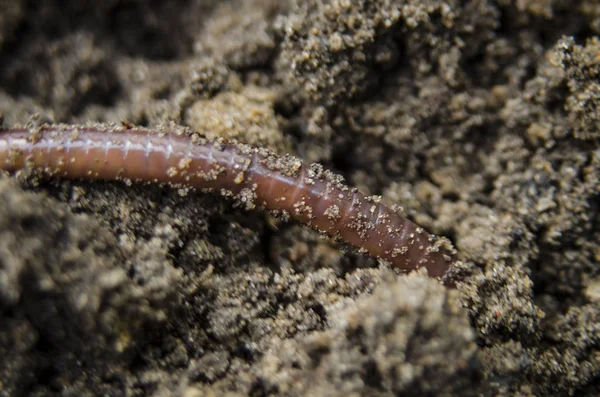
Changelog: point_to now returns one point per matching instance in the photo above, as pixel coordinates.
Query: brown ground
(481, 118)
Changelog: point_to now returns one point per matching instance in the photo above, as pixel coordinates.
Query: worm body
(256, 177)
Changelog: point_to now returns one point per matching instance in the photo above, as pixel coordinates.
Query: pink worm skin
(254, 176)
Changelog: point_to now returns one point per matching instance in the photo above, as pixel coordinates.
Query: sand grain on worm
(254, 176)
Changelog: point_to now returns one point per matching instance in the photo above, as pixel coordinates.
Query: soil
(480, 118)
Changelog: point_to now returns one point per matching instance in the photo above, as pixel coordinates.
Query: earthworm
(254, 176)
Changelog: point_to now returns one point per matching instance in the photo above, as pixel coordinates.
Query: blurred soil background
(480, 118)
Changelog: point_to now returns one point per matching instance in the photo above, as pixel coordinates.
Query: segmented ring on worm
(257, 177)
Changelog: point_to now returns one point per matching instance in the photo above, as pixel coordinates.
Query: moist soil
(481, 119)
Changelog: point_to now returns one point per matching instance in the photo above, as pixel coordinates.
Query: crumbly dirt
(480, 118)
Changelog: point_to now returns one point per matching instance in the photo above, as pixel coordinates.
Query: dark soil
(480, 118)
